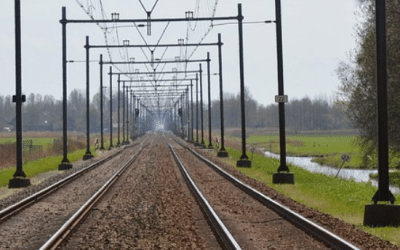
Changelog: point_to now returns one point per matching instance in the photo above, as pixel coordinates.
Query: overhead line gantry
(244, 160)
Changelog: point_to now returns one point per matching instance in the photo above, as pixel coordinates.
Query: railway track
(222, 230)
(85, 209)
(149, 208)
(28, 223)
(19, 206)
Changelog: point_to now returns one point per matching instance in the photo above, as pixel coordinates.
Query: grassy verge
(343, 199)
(33, 168)
(49, 163)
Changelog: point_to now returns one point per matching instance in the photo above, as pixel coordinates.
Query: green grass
(308, 145)
(33, 168)
(343, 199)
(327, 148)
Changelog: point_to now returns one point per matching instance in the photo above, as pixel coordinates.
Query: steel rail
(222, 233)
(80, 215)
(308, 226)
(19, 206)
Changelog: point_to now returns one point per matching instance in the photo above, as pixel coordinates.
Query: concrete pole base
(19, 183)
(87, 157)
(222, 154)
(283, 178)
(382, 215)
(243, 164)
(64, 166)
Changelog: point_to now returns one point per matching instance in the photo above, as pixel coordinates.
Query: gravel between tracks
(149, 208)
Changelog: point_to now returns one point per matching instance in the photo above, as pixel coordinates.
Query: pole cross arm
(152, 46)
(156, 73)
(161, 80)
(160, 86)
(199, 19)
(157, 61)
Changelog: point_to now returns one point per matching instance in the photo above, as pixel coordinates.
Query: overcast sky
(317, 34)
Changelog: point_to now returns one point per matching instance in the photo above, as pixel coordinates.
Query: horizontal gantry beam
(146, 46)
(156, 61)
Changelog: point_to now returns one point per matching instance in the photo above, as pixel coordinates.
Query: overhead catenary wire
(203, 7)
(196, 32)
(208, 8)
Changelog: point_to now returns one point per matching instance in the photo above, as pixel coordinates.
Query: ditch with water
(358, 175)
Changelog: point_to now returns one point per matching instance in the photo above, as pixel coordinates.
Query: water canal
(358, 175)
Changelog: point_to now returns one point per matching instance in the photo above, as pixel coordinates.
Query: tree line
(41, 113)
(301, 115)
(44, 113)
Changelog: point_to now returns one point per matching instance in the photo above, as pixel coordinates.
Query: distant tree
(232, 110)
(77, 111)
(31, 112)
(251, 109)
(9, 108)
(301, 115)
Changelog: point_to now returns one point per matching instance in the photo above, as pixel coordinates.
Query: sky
(317, 35)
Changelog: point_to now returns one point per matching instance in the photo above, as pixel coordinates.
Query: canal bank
(358, 175)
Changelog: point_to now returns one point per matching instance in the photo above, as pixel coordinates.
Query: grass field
(33, 168)
(327, 148)
(343, 199)
(36, 162)
(308, 145)
(45, 163)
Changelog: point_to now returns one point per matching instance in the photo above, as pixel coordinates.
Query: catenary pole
(88, 155)
(111, 109)
(210, 146)
(101, 103)
(18, 99)
(65, 163)
(222, 152)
